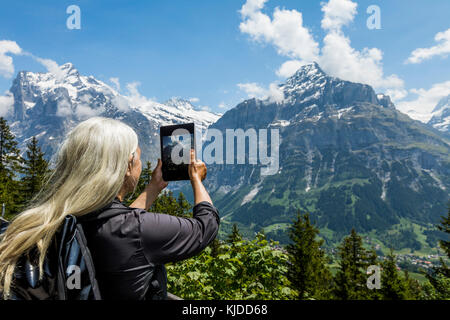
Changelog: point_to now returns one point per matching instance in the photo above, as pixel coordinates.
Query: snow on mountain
(50, 104)
(346, 155)
(176, 110)
(441, 115)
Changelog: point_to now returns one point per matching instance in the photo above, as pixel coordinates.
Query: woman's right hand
(197, 169)
(197, 173)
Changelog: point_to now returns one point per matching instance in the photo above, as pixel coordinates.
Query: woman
(97, 165)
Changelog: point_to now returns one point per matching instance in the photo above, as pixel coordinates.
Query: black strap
(88, 260)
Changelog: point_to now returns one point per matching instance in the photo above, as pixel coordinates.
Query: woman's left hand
(157, 180)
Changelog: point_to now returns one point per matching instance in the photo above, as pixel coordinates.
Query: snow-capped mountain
(176, 110)
(47, 105)
(441, 115)
(346, 155)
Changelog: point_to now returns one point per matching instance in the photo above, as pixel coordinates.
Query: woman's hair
(90, 168)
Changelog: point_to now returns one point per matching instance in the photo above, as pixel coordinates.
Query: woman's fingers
(193, 160)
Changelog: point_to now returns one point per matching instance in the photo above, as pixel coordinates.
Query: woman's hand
(152, 190)
(157, 180)
(197, 173)
(197, 169)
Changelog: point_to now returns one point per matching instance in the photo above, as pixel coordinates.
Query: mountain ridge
(347, 156)
(47, 105)
(440, 119)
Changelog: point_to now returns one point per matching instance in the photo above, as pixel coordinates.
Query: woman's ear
(129, 169)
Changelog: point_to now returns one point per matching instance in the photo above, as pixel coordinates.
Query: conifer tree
(440, 277)
(35, 169)
(351, 277)
(166, 202)
(413, 287)
(445, 245)
(393, 287)
(307, 271)
(184, 207)
(234, 236)
(215, 247)
(10, 165)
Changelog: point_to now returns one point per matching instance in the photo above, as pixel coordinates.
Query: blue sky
(197, 49)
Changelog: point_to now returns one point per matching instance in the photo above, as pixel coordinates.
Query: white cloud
(194, 100)
(396, 94)
(6, 104)
(64, 108)
(441, 49)
(285, 31)
(276, 94)
(84, 111)
(115, 81)
(288, 68)
(134, 97)
(254, 90)
(337, 57)
(338, 13)
(121, 103)
(421, 107)
(52, 67)
(6, 62)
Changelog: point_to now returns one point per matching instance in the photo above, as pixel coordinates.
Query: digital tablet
(176, 144)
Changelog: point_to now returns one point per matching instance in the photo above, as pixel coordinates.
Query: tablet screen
(176, 143)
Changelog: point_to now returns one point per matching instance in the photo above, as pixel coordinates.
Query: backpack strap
(72, 244)
(88, 260)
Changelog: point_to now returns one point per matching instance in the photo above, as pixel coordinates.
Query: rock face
(347, 156)
(441, 116)
(47, 105)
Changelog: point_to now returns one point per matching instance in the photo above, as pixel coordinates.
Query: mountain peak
(308, 70)
(309, 73)
(443, 103)
(179, 103)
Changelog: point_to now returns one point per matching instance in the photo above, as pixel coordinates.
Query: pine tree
(215, 247)
(307, 271)
(234, 236)
(184, 207)
(166, 202)
(413, 287)
(351, 277)
(10, 165)
(393, 287)
(440, 277)
(445, 245)
(35, 168)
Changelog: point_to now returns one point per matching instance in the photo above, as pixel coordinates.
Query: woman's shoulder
(112, 209)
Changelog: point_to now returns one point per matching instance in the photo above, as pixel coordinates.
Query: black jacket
(129, 246)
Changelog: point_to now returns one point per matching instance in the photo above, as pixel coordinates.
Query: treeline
(20, 176)
(239, 268)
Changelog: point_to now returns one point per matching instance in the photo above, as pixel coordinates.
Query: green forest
(259, 268)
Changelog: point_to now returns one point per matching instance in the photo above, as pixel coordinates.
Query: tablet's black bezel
(164, 131)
